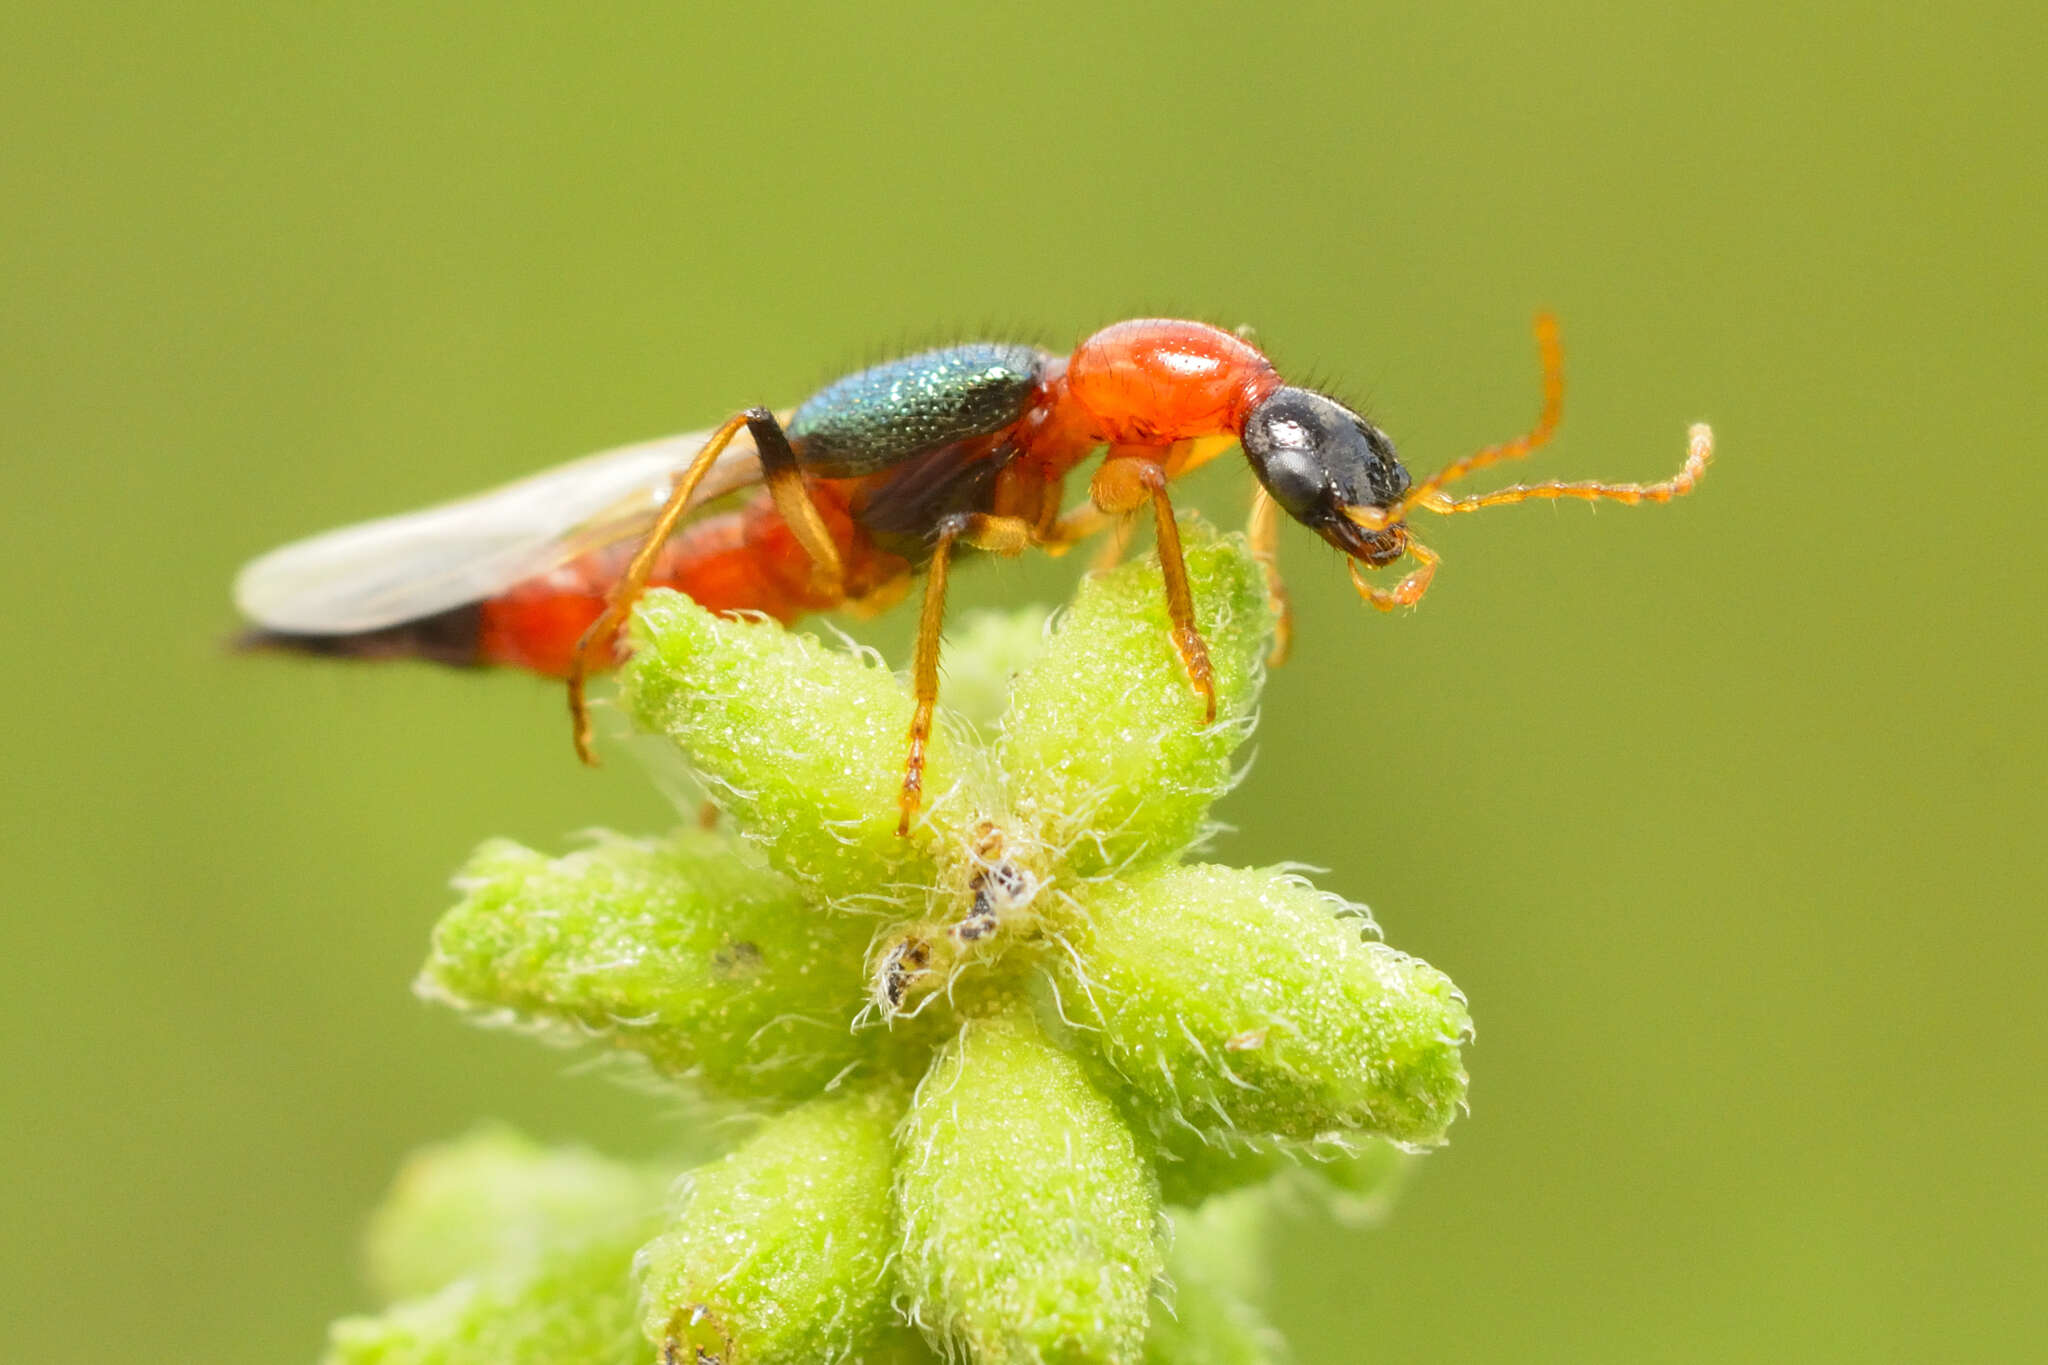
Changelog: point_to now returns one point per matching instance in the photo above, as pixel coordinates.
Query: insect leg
(1123, 484)
(1048, 526)
(1059, 532)
(1551, 350)
(1006, 536)
(1111, 552)
(1409, 590)
(619, 602)
(793, 503)
(1179, 458)
(1071, 528)
(1699, 449)
(1263, 533)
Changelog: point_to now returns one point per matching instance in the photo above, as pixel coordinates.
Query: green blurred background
(1727, 816)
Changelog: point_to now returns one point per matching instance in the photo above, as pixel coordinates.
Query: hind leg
(619, 602)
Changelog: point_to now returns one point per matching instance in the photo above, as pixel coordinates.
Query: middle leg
(1006, 536)
(1125, 483)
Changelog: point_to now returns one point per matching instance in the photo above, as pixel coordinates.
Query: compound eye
(1285, 437)
(1296, 480)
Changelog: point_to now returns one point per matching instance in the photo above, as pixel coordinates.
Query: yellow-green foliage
(1214, 1272)
(800, 745)
(681, 949)
(985, 1055)
(501, 1252)
(497, 1202)
(778, 1253)
(1029, 1220)
(576, 1308)
(1248, 1003)
(1104, 743)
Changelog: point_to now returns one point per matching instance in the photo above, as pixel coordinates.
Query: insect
(893, 470)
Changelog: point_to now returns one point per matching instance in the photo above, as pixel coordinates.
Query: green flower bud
(1358, 1187)
(1195, 1167)
(1214, 1271)
(801, 745)
(899, 1345)
(985, 651)
(1104, 742)
(1246, 1004)
(496, 1203)
(1352, 1179)
(681, 950)
(778, 1253)
(1207, 1326)
(573, 1308)
(1097, 1031)
(1226, 1243)
(1029, 1219)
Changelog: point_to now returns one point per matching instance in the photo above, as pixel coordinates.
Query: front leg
(1124, 483)
(1263, 536)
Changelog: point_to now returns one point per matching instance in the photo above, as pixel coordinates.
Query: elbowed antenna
(1430, 496)
(1699, 450)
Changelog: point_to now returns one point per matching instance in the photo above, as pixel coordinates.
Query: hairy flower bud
(681, 950)
(778, 1253)
(518, 1254)
(1030, 1224)
(495, 1202)
(802, 746)
(987, 1054)
(1104, 743)
(1247, 1004)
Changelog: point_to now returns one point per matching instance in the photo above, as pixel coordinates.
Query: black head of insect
(1325, 465)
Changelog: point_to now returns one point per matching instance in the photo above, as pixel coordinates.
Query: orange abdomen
(743, 560)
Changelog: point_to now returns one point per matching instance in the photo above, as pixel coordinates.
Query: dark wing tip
(452, 637)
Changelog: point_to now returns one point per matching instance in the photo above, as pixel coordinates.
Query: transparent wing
(380, 573)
